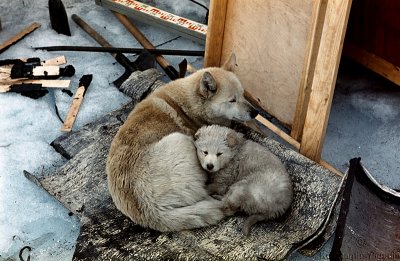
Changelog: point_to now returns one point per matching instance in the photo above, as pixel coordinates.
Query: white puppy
(248, 176)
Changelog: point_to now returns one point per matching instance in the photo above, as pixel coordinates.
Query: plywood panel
(270, 40)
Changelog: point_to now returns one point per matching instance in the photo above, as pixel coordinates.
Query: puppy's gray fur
(248, 176)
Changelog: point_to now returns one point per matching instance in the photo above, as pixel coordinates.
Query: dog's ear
(230, 64)
(232, 139)
(208, 85)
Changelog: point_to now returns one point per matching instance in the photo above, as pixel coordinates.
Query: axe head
(143, 62)
(58, 17)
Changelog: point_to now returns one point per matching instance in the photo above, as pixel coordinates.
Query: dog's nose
(210, 166)
(253, 113)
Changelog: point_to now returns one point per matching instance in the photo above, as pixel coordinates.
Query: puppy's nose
(210, 166)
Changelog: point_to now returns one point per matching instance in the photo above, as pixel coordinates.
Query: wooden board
(270, 40)
(324, 81)
(154, 16)
(373, 62)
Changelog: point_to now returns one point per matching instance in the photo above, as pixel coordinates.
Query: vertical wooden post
(215, 33)
(318, 17)
(324, 81)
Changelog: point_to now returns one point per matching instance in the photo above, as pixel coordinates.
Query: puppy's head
(216, 146)
(223, 94)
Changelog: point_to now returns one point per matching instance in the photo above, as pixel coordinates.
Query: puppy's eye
(205, 152)
(219, 154)
(233, 100)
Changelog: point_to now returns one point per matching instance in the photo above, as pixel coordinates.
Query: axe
(84, 83)
(143, 62)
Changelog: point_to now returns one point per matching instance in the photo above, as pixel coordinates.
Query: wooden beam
(318, 17)
(373, 62)
(288, 139)
(324, 81)
(215, 33)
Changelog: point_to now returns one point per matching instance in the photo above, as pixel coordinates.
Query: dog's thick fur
(248, 176)
(153, 173)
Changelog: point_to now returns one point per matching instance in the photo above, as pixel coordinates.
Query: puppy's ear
(230, 64)
(208, 85)
(232, 139)
(196, 135)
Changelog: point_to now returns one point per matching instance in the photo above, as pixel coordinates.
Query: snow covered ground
(28, 216)
(364, 120)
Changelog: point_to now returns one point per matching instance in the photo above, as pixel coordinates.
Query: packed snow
(28, 215)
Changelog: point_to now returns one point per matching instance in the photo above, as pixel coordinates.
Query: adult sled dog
(154, 176)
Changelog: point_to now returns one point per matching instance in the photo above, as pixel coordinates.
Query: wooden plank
(59, 60)
(215, 33)
(373, 62)
(73, 110)
(32, 27)
(270, 39)
(62, 84)
(323, 85)
(303, 98)
(286, 137)
(291, 141)
(152, 15)
(46, 70)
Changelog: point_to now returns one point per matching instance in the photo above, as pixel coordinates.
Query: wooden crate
(288, 54)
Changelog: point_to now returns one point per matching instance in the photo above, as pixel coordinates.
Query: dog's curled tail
(201, 214)
(250, 221)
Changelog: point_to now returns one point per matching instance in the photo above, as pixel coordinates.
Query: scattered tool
(167, 67)
(33, 69)
(121, 50)
(19, 36)
(30, 83)
(143, 62)
(58, 17)
(84, 83)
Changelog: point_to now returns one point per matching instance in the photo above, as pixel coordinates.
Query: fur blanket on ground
(106, 234)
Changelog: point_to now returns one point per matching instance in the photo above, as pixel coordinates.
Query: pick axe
(143, 62)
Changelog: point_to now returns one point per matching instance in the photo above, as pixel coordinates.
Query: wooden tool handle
(146, 44)
(88, 29)
(73, 110)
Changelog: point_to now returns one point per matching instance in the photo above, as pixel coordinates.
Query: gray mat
(106, 234)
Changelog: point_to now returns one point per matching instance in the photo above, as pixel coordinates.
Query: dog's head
(216, 146)
(223, 94)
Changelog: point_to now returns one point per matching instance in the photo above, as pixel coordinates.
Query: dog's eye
(233, 100)
(205, 152)
(219, 154)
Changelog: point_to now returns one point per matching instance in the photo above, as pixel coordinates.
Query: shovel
(143, 62)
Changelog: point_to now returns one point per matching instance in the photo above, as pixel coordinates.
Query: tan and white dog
(153, 172)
